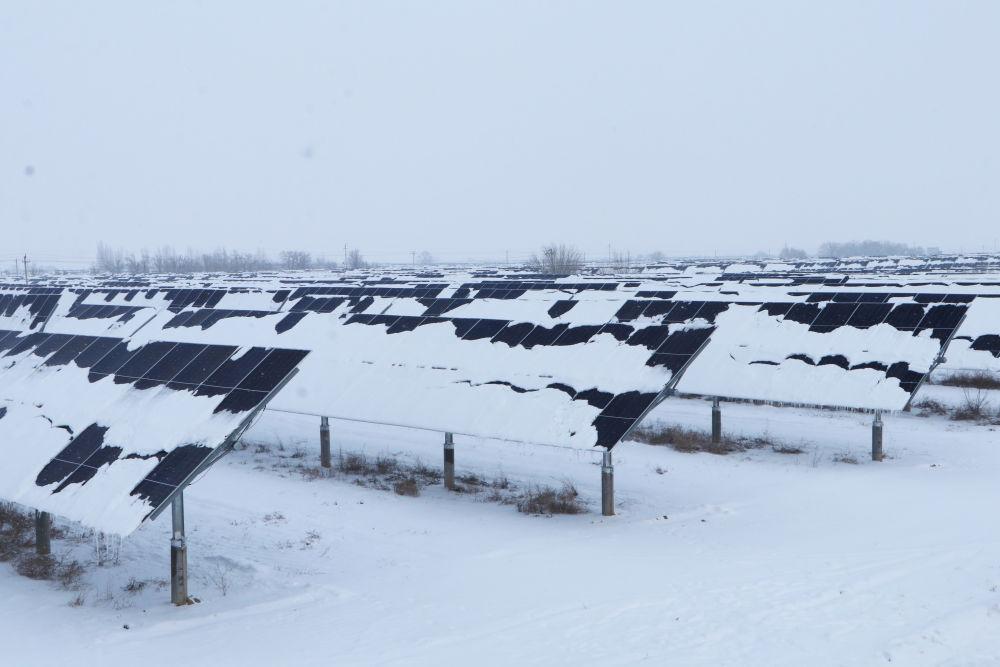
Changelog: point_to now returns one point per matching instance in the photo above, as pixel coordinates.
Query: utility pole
(413, 257)
(25, 268)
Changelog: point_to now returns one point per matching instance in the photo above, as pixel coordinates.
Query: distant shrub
(971, 380)
(557, 259)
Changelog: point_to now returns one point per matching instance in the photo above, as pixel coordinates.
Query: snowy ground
(757, 558)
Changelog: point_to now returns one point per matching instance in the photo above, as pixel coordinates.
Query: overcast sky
(470, 129)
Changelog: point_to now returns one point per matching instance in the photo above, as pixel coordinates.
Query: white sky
(473, 128)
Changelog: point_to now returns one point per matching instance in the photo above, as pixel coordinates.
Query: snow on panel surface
(544, 369)
(27, 308)
(977, 342)
(868, 356)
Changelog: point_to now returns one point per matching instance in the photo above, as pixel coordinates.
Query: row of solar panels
(542, 367)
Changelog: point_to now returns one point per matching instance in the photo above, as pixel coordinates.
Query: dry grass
(548, 500)
(407, 487)
(33, 566)
(134, 586)
(845, 458)
(405, 478)
(69, 573)
(353, 464)
(974, 407)
(17, 543)
(16, 531)
(689, 441)
(929, 406)
(971, 380)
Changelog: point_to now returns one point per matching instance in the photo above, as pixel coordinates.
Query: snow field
(755, 558)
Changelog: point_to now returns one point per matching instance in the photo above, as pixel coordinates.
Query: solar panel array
(131, 386)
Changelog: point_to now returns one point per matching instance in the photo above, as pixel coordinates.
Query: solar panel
(845, 353)
(27, 308)
(116, 428)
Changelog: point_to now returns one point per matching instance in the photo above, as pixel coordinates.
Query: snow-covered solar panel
(548, 369)
(866, 354)
(103, 431)
(27, 308)
(976, 345)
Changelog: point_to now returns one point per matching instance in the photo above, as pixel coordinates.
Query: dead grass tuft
(36, 567)
(407, 487)
(548, 500)
(974, 407)
(929, 406)
(690, 441)
(134, 585)
(353, 464)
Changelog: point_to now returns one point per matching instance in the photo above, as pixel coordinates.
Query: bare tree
(296, 259)
(656, 257)
(110, 259)
(355, 260)
(425, 258)
(168, 260)
(621, 260)
(788, 252)
(867, 248)
(557, 259)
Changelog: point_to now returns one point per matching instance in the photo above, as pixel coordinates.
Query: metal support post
(178, 554)
(877, 454)
(716, 422)
(43, 544)
(324, 442)
(607, 485)
(449, 461)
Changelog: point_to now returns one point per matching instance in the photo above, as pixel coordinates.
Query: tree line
(168, 260)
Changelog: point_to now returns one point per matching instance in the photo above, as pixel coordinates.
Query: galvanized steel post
(43, 545)
(877, 454)
(607, 485)
(449, 461)
(716, 422)
(324, 442)
(178, 554)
